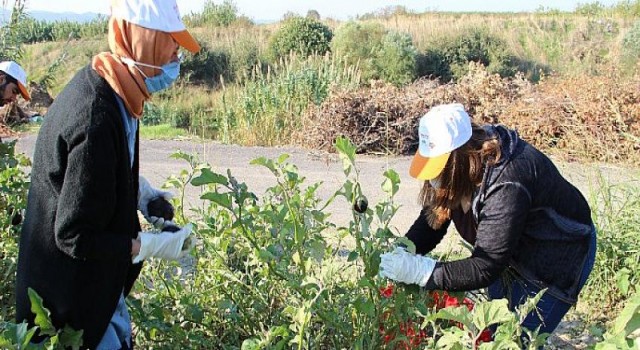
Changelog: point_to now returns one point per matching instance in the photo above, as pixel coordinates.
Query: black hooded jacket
(525, 217)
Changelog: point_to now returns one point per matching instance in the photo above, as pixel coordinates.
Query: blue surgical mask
(169, 74)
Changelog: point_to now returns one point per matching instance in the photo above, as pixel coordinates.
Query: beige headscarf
(141, 45)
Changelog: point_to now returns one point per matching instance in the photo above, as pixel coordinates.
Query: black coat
(525, 217)
(75, 247)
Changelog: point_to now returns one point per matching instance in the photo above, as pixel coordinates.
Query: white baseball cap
(14, 70)
(442, 130)
(161, 15)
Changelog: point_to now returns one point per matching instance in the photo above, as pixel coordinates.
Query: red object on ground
(415, 336)
(387, 292)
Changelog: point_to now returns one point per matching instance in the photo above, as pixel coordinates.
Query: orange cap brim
(24, 92)
(423, 168)
(185, 40)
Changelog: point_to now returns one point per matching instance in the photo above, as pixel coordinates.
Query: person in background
(13, 82)
(81, 246)
(529, 227)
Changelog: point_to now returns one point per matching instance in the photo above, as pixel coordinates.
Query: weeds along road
(156, 165)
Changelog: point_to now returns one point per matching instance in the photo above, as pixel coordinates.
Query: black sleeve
(500, 225)
(423, 236)
(88, 196)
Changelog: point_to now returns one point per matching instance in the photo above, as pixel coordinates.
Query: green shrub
(433, 64)
(380, 54)
(304, 36)
(10, 44)
(590, 9)
(181, 118)
(214, 15)
(207, 66)
(449, 57)
(357, 43)
(13, 200)
(627, 8)
(273, 272)
(396, 61)
(267, 109)
(30, 30)
(151, 114)
(313, 14)
(631, 45)
(243, 57)
(615, 276)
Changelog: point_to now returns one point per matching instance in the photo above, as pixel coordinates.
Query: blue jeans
(550, 310)
(118, 333)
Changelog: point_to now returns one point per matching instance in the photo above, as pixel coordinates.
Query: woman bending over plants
(529, 227)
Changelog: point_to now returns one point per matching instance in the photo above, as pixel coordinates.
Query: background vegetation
(539, 57)
(568, 81)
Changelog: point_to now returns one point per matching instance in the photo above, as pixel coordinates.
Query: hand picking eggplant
(160, 207)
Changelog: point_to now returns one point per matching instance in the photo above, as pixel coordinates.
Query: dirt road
(156, 165)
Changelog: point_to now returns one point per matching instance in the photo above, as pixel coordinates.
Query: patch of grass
(163, 132)
(38, 58)
(28, 128)
(267, 110)
(615, 277)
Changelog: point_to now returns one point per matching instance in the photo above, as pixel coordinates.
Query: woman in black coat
(81, 247)
(530, 228)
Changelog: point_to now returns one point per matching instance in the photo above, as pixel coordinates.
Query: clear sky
(338, 9)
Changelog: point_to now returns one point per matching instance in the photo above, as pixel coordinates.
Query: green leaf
(374, 264)
(223, 199)
(391, 184)
(492, 312)
(317, 249)
(500, 345)
(52, 343)
(347, 152)
(195, 311)
(452, 339)
(267, 163)
(622, 280)
(530, 304)
(43, 315)
(17, 334)
(184, 156)
(71, 338)
(265, 255)
(283, 157)
(458, 314)
(352, 256)
(251, 344)
(365, 283)
(209, 177)
(629, 319)
(299, 235)
(365, 306)
(302, 315)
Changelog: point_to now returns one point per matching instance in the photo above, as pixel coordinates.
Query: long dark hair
(460, 177)
(8, 79)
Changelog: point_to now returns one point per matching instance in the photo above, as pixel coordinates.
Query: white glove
(402, 266)
(147, 193)
(164, 245)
